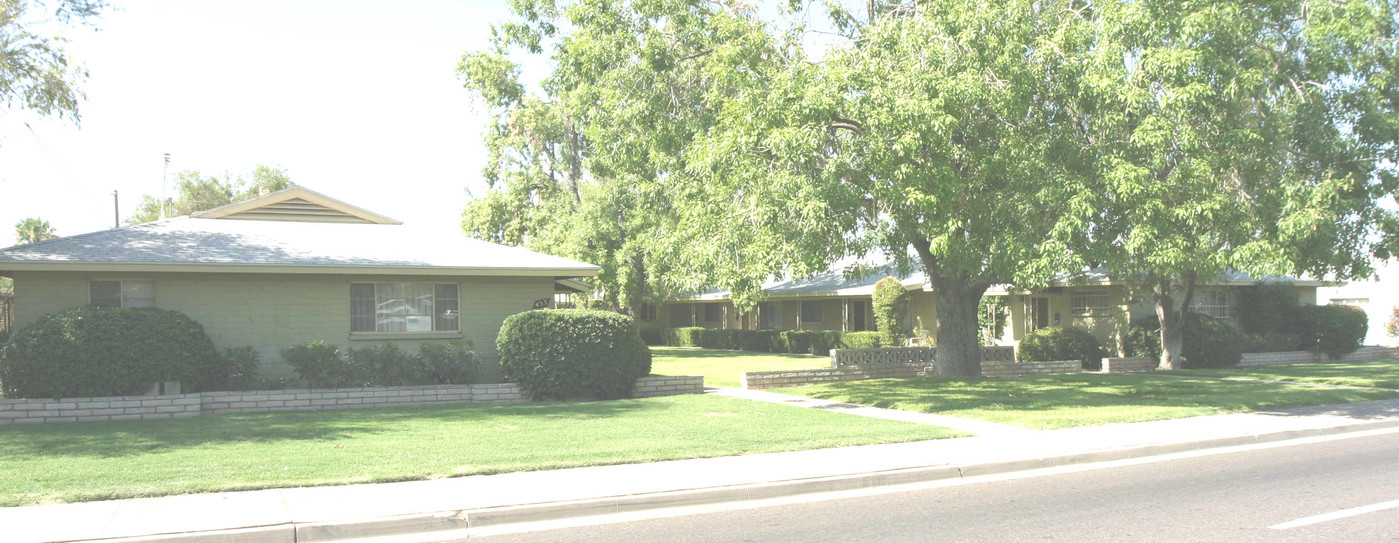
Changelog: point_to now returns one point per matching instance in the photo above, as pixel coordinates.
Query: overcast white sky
(357, 100)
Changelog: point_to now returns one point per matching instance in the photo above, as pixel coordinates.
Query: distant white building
(1377, 297)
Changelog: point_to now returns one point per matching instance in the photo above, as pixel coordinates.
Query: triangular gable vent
(295, 204)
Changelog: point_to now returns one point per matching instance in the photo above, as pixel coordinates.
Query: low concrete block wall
(661, 385)
(89, 409)
(1303, 357)
(189, 405)
(1007, 370)
(1129, 365)
(841, 358)
(794, 378)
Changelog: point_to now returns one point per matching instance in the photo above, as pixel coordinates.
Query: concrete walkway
(978, 427)
(456, 507)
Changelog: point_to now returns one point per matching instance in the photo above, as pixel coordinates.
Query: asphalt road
(1242, 496)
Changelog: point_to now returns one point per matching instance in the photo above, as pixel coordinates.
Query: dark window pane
(811, 311)
(105, 293)
(362, 307)
(447, 317)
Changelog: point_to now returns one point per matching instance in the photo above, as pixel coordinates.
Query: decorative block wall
(908, 355)
(189, 405)
(1129, 365)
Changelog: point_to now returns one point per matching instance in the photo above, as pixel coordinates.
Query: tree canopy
(33, 230)
(577, 168)
(1168, 141)
(35, 72)
(197, 192)
(1256, 136)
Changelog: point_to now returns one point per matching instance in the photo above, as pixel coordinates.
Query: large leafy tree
(35, 72)
(33, 230)
(934, 135)
(197, 192)
(1254, 136)
(577, 167)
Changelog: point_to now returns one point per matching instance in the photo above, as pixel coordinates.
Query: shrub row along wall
(995, 369)
(1302, 357)
(211, 403)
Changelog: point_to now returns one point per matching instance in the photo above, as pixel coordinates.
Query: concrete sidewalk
(451, 506)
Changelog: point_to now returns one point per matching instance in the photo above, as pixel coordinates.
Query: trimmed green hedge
(570, 354)
(682, 337)
(1207, 342)
(817, 342)
(1336, 330)
(1062, 343)
(321, 365)
(92, 351)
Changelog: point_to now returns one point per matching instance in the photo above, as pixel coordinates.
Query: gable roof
(295, 204)
(295, 230)
(189, 244)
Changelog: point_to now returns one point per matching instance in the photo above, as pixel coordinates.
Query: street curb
(464, 521)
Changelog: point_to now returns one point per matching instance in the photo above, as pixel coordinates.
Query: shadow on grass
(130, 438)
(1382, 373)
(1050, 393)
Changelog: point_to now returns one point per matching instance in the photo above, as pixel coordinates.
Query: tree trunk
(959, 335)
(1172, 319)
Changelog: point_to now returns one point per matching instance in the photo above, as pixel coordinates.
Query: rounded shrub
(92, 351)
(890, 303)
(1206, 342)
(1336, 330)
(570, 354)
(1062, 343)
(1391, 328)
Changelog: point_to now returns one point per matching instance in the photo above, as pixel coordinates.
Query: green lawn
(51, 463)
(1375, 373)
(721, 368)
(1062, 401)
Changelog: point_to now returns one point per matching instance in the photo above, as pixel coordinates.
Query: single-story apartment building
(830, 301)
(292, 266)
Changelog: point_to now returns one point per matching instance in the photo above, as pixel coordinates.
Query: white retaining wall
(31, 411)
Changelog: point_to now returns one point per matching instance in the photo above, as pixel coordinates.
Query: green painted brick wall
(273, 311)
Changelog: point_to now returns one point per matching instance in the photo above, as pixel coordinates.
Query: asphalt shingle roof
(193, 241)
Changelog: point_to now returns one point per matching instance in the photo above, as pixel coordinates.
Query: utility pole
(116, 211)
(163, 173)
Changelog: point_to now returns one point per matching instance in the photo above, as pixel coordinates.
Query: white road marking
(1336, 515)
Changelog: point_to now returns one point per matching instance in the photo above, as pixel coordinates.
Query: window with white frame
(127, 294)
(1089, 302)
(404, 307)
(1215, 303)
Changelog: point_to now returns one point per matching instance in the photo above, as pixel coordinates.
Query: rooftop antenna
(164, 171)
(116, 211)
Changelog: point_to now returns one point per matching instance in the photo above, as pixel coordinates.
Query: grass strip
(1064, 401)
(1375, 373)
(71, 462)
